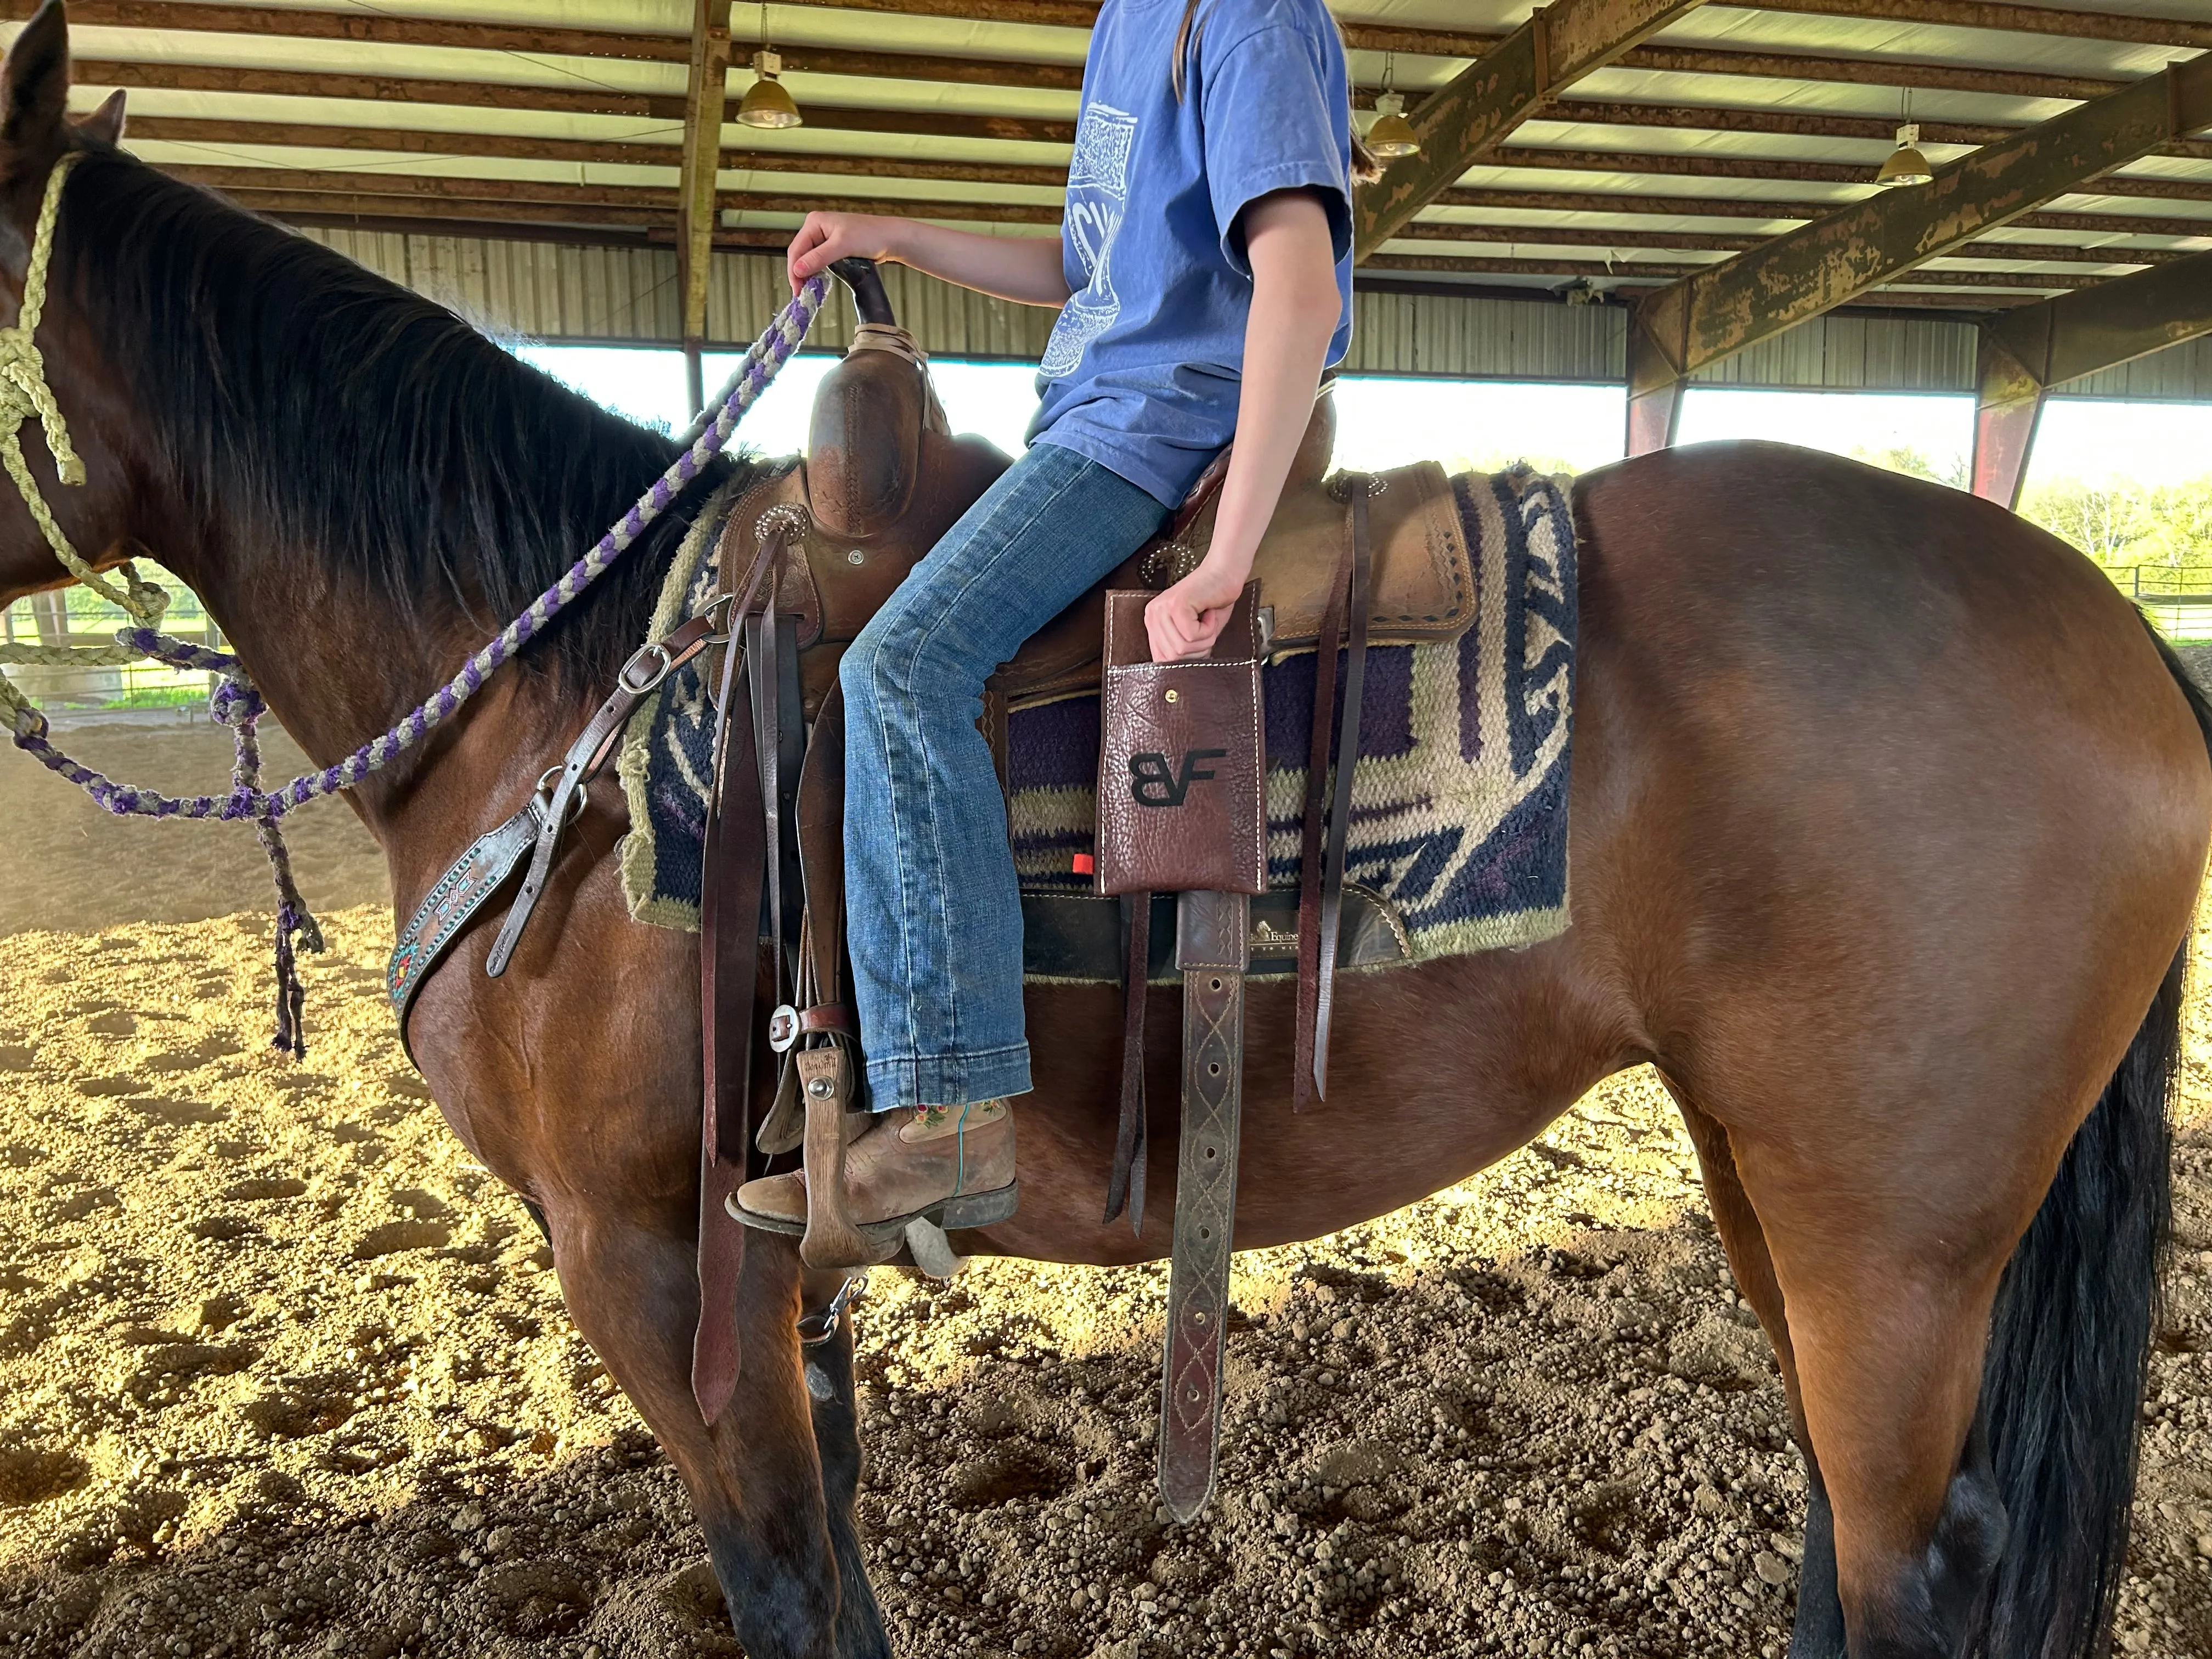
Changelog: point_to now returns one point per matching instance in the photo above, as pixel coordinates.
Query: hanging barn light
(1391, 136)
(767, 103)
(1905, 165)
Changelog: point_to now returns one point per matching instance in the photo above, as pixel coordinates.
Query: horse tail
(2070, 1343)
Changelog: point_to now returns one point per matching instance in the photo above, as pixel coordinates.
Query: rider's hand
(827, 237)
(1185, 620)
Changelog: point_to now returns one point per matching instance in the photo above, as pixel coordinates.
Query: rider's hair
(1365, 169)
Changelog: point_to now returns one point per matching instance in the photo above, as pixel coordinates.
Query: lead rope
(25, 393)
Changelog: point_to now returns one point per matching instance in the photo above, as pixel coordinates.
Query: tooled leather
(1216, 926)
(1181, 761)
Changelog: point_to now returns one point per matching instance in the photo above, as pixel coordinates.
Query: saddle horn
(866, 288)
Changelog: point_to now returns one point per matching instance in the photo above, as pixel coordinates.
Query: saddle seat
(885, 478)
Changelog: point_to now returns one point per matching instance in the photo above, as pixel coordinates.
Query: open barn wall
(625, 295)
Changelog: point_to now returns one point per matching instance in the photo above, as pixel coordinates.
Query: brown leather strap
(1340, 812)
(641, 676)
(1212, 941)
(787, 1024)
(734, 864)
(1125, 1186)
(1310, 862)
(764, 667)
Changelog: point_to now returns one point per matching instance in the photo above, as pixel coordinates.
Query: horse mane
(335, 416)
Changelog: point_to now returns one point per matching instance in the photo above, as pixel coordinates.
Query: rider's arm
(1024, 269)
(1295, 309)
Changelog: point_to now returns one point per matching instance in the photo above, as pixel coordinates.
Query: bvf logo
(1153, 783)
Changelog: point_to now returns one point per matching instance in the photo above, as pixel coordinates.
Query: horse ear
(34, 83)
(105, 122)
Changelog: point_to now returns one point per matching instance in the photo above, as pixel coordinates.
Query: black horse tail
(2069, 1344)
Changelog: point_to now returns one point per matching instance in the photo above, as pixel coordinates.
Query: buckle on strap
(783, 1028)
(815, 1329)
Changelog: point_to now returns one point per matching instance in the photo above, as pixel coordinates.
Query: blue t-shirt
(1143, 369)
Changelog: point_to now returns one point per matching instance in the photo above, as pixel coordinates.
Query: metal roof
(561, 122)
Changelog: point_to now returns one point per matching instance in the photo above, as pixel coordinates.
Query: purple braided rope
(767, 355)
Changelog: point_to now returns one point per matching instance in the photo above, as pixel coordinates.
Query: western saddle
(806, 558)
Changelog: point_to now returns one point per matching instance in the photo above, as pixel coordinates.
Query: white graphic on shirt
(1098, 197)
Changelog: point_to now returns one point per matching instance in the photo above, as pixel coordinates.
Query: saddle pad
(1459, 798)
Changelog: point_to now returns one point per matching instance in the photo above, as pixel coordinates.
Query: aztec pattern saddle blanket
(1459, 820)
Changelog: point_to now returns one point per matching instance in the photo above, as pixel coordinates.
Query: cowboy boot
(951, 1165)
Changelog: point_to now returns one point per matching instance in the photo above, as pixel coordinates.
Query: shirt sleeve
(1270, 124)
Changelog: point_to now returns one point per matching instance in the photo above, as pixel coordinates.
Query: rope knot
(24, 393)
(235, 703)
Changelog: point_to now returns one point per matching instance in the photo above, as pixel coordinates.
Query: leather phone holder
(1182, 759)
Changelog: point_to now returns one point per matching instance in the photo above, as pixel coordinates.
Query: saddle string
(25, 393)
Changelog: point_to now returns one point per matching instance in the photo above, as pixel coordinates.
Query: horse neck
(336, 667)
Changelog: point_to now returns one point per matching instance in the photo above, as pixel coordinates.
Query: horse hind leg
(1818, 1632)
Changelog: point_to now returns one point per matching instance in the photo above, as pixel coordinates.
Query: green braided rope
(25, 396)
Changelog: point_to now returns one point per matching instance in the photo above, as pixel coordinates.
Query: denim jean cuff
(948, 1079)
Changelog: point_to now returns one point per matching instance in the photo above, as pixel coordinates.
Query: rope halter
(24, 395)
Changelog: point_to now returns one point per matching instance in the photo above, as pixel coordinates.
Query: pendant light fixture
(1905, 165)
(766, 103)
(1392, 136)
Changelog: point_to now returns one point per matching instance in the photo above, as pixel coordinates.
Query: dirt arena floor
(283, 1372)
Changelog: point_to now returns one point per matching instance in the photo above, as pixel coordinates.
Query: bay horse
(1888, 818)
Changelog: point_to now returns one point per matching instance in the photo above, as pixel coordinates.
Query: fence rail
(75, 617)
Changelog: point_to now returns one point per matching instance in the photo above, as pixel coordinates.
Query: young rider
(1204, 277)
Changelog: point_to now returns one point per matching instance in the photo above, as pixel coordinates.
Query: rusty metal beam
(1707, 316)
(706, 90)
(2026, 353)
(485, 95)
(415, 141)
(1555, 48)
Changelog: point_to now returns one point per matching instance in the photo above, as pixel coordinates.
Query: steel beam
(2026, 353)
(1799, 275)
(1552, 50)
(706, 90)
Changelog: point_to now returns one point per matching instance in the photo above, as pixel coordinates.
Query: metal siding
(614, 293)
(1855, 354)
(1481, 338)
(2178, 374)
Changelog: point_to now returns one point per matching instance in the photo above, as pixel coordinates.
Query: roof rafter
(1486, 100)
(1709, 315)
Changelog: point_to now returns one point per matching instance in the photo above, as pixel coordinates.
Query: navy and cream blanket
(1459, 797)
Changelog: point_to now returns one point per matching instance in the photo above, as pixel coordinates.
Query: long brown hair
(1365, 169)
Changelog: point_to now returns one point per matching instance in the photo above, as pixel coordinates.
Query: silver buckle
(783, 1028)
(656, 653)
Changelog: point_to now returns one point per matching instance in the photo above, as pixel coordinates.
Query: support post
(2025, 353)
(705, 96)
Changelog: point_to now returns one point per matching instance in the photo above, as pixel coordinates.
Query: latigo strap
(1212, 931)
(1321, 879)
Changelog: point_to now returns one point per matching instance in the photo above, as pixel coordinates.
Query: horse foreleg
(837, 1439)
(1818, 1632)
(755, 1478)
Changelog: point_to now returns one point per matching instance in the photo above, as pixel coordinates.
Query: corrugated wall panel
(1855, 354)
(623, 293)
(2180, 372)
(1482, 339)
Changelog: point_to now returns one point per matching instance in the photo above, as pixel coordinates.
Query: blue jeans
(934, 911)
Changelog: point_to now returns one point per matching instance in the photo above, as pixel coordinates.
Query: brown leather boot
(953, 1165)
